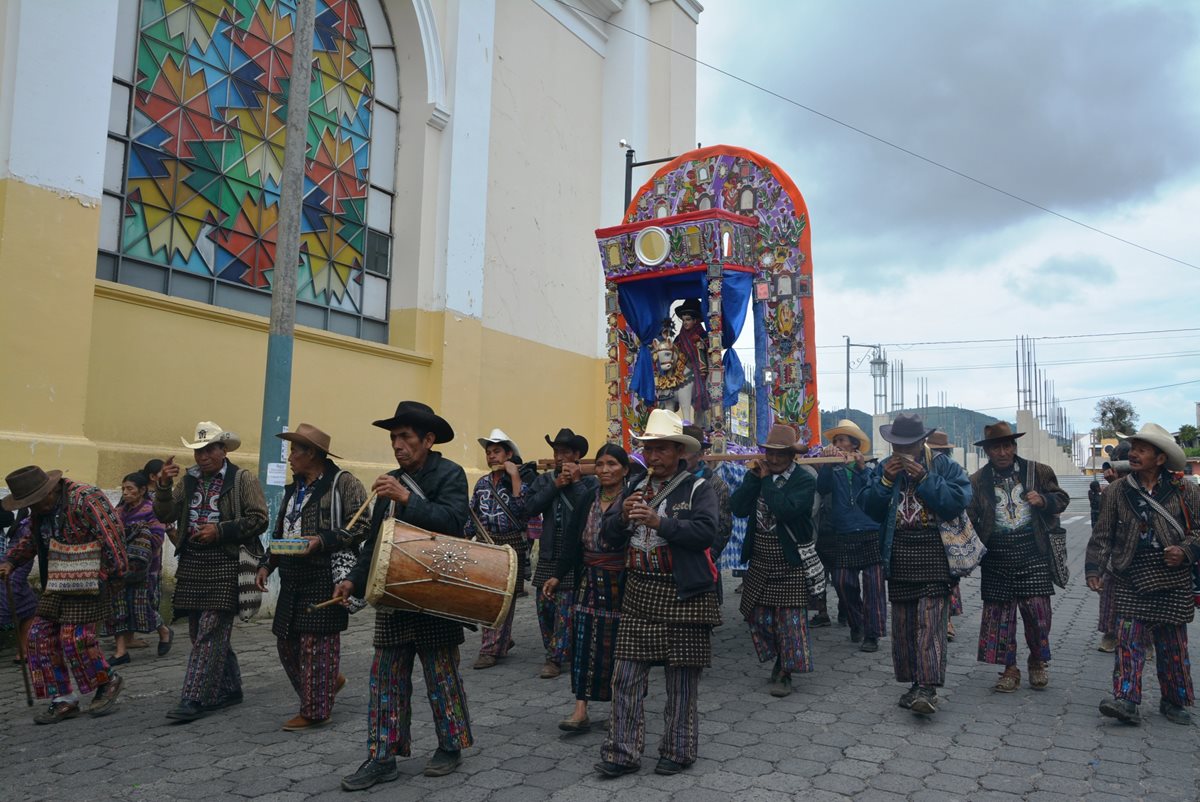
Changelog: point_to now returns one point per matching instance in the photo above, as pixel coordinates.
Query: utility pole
(277, 390)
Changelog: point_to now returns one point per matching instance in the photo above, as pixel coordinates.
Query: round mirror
(652, 246)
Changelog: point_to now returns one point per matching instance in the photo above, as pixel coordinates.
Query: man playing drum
(428, 491)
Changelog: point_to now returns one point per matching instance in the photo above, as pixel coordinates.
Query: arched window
(195, 159)
(746, 200)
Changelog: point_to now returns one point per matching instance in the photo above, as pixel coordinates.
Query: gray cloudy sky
(1089, 108)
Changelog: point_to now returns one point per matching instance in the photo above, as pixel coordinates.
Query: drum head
(380, 558)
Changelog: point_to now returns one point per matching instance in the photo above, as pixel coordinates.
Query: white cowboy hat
(850, 429)
(1161, 439)
(208, 433)
(499, 438)
(663, 424)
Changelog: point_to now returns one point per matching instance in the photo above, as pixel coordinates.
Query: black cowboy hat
(414, 412)
(689, 307)
(905, 429)
(568, 439)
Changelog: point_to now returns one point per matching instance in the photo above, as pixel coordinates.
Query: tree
(1188, 434)
(1115, 415)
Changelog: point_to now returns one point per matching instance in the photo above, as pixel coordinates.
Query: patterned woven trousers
(59, 651)
(919, 640)
(1171, 660)
(1107, 623)
(311, 663)
(626, 738)
(389, 711)
(956, 606)
(495, 641)
(998, 630)
(782, 632)
(212, 668)
(554, 619)
(866, 604)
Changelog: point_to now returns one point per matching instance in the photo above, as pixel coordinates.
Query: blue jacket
(843, 490)
(946, 490)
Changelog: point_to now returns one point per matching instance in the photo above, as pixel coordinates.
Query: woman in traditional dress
(136, 607)
(601, 574)
(24, 602)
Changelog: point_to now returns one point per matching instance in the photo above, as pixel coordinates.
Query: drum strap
(679, 479)
(481, 532)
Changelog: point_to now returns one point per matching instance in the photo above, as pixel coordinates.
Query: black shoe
(186, 711)
(820, 620)
(668, 767)
(869, 645)
(371, 772)
(119, 661)
(906, 698)
(606, 769)
(164, 646)
(1174, 713)
(1120, 709)
(442, 763)
(228, 700)
(926, 701)
(856, 635)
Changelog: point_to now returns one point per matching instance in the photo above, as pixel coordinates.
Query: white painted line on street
(1074, 518)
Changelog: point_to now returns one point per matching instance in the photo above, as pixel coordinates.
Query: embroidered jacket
(1117, 532)
(791, 503)
(489, 500)
(982, 509)
(83, 515)
(945, 491)
(242, 506)
(688, 529)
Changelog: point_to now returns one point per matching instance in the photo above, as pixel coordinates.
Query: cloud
(1057, 280)
(1086, 108)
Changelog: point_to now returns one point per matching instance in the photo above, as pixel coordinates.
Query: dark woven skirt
(205, 580)
(1150, 591)
(919, 568)
(855, 551)
(546, 563)
(1013, 568)
(656, 627)
(75, 609)
(595, 623)
(134, 609)
(762, 589)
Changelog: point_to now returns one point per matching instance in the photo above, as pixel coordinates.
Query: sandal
(1009, 680)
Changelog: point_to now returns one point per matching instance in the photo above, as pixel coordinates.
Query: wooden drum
(450, 577)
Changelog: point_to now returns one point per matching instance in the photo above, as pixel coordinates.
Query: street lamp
(878, 366)
(629, 165)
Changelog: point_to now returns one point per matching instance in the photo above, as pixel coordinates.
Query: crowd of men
(626, 576)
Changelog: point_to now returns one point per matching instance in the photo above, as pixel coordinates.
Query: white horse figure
(674, 383)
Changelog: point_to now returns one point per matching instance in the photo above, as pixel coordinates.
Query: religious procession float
(718, 237)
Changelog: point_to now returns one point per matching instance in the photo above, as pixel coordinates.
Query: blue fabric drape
(646, 302)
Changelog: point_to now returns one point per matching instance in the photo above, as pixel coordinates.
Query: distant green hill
(963, 426)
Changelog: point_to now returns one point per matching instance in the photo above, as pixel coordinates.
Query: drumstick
(361, 510)
(12, 611)
(326, 603)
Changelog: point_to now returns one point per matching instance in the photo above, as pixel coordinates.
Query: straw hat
(850, 429)
(1161, 439)
(309, 435)
(663, 424)
(996, 432)
(499, 438)
(208, 433)
(27, 486)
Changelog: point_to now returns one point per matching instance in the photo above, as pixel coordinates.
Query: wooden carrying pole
(549, 463)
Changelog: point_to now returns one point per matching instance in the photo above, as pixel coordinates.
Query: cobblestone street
(840, 735)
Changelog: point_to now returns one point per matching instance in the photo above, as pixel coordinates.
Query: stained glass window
(195, 159)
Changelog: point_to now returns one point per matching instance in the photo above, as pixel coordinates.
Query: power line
(882, 141)
(1009, 340)
(1104, 395)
